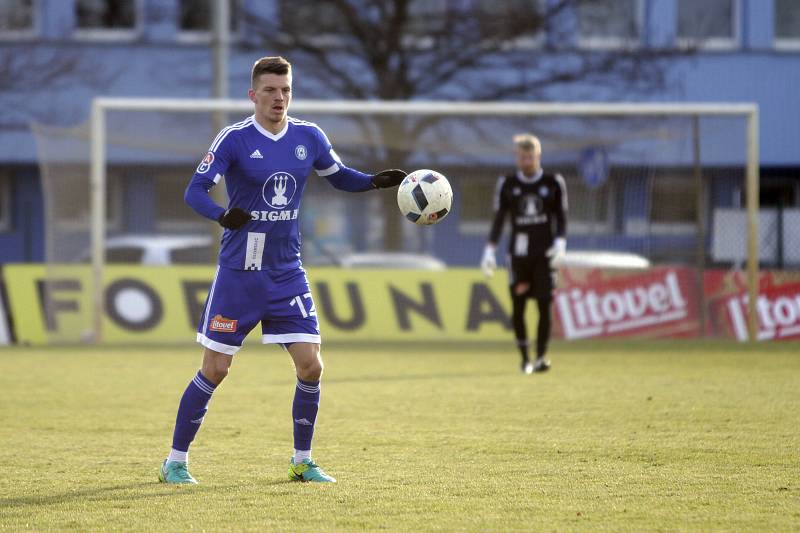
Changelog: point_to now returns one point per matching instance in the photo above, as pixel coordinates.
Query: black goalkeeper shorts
(537, 272)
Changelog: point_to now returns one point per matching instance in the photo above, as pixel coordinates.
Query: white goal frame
(101, 105)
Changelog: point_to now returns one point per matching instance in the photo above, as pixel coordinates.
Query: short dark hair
(270, 65)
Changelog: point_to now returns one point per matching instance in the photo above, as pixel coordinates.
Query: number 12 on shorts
(298, 301)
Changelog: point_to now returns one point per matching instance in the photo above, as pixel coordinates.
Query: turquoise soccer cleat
(308, 470)
(175, 473)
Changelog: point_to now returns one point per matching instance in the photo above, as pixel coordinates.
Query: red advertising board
(659, 302)
(778, 305)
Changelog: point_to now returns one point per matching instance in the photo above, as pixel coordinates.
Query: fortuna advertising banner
(46, 305)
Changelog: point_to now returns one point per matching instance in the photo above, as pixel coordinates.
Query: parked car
(157, 249)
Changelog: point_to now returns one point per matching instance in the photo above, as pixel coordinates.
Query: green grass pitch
(618, 436)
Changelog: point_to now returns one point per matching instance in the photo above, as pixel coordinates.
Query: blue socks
(191, 411)
(194, 405)
(304, 412)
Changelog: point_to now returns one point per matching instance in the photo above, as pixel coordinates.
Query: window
(124, 254)
(195, 22)
(520, 22)
(171, 211)
(426, 17)
(590, 208)
(609, 23)
(673, 202)
(328, 22)
(787, 24)
(18, 18)
(475, 200)
(69, 198)
(708, 24)
(192, 255)
(106, 18)
(5, 201)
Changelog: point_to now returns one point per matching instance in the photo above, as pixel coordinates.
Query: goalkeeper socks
(304, 412)
(191, 411)
(543, 328)
(518, 321)
(523, 350)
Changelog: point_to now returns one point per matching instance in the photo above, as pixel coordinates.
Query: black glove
(234, 218)
(388, 178)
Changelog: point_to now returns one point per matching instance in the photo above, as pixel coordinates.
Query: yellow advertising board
(163, 304)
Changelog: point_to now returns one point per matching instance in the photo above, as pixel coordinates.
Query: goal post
(99, 133)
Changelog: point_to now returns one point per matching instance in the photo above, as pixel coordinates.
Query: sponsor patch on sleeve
(205, 164)
(221, 324)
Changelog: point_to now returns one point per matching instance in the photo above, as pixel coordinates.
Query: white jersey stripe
(250, 118)
(497, 188)
(224, 133)
(208, 304)
(333, 169)
(563, 186)
(227, 128)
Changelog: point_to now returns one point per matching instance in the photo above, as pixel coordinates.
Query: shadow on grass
(106, 493)
(103, 493)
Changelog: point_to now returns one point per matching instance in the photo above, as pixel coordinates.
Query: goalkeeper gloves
(557, 251)
(388, 178)
(488, 262)
(234, 218)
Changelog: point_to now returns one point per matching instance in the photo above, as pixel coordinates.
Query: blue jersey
(265, 174)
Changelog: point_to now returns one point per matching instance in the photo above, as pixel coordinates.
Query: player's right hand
(234, 218)
(488, 262)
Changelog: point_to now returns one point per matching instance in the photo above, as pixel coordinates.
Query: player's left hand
(388, 178)
(557, 251)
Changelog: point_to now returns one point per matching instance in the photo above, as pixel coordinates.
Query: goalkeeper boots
(175, 473)
(308, 470)
(542, 365)
(527, 367)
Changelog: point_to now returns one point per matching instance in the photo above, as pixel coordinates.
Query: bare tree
(28, 72)
(458, 49)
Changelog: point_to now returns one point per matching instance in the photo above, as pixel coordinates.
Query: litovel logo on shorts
(221, 324)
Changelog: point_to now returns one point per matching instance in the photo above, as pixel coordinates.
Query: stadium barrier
(163, 304)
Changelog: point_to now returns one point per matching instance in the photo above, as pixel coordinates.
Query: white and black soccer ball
(425, 197)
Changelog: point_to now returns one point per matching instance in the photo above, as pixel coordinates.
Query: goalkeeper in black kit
(536, 202)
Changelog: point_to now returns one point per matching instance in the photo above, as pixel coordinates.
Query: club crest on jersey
(279, 190)
(300, 152)
(224, 325)
(532, 206)
(205, 164)
(543, 191)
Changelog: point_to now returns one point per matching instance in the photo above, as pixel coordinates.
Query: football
(425, 197)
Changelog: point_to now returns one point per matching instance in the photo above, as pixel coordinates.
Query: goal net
(648, 184)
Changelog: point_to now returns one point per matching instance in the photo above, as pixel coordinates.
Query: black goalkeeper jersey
(538, 210)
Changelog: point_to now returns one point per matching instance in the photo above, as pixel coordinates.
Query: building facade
(58, 54)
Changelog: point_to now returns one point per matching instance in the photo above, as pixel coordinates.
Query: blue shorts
(240, 299)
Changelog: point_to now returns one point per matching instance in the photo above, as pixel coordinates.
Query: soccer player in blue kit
(266, 160)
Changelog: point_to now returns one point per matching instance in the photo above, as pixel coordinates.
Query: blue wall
(157, 63)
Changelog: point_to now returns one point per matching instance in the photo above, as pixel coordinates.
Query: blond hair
(527, 141)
